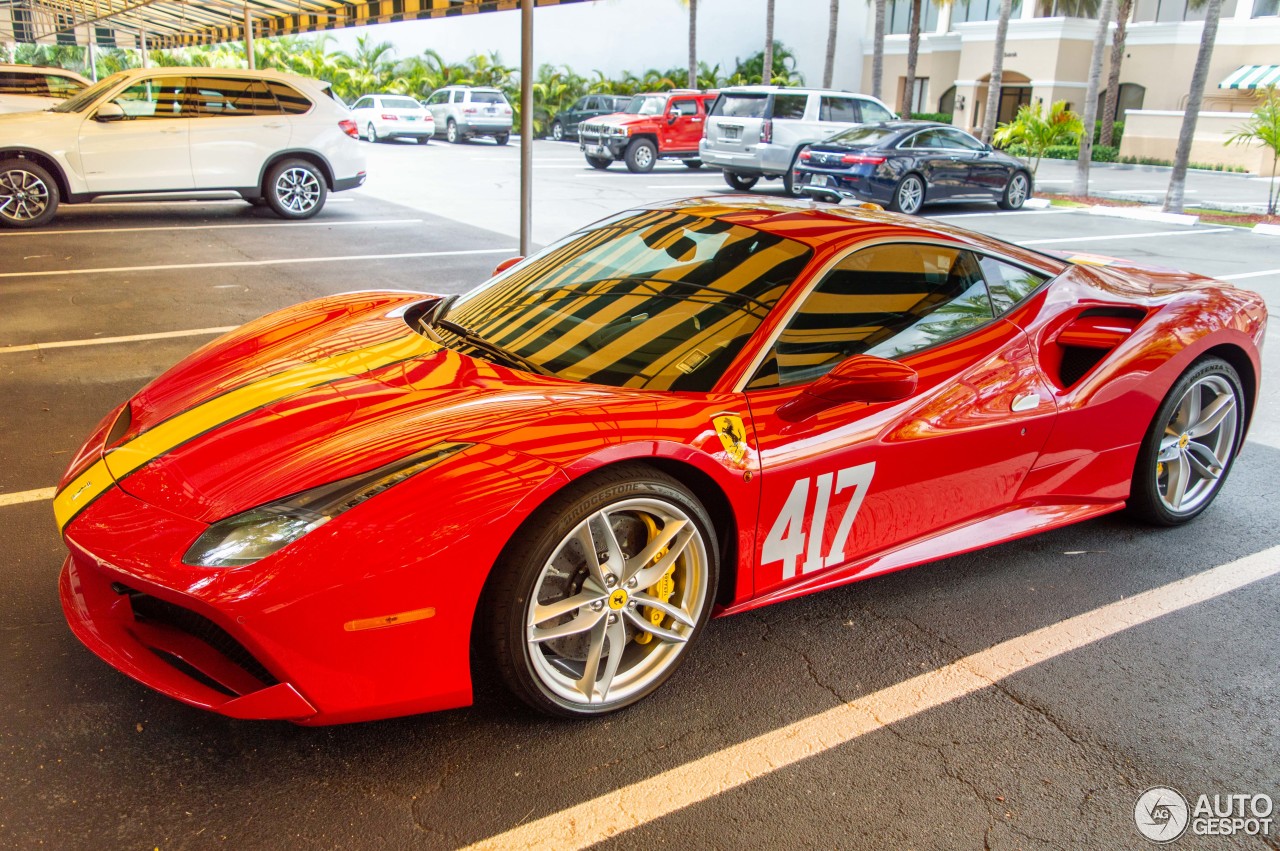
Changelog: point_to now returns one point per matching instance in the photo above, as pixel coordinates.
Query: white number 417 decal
(786, 540)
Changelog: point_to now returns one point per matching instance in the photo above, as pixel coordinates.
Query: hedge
(1117, 133)
(1101, 153)
(944, 117)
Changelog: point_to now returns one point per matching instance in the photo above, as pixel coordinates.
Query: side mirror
(109, 111)
(674, 114)
(861, 378)
(506, 264)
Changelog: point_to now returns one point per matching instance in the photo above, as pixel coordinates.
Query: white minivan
(277, 138)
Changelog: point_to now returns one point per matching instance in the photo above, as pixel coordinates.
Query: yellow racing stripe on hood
(224, 408)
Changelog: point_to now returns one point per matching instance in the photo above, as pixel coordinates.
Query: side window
(956, 139)
(62, 87)
(290, 100)
(687, 106)
(838, 109)
(925, 139)
(23, 83)
(457, 96)
(154, 97)
(789, 106)
(873, 112)
(887, 300)
(230, 97)
(1008, 284)
(363, 103)
(437, 97)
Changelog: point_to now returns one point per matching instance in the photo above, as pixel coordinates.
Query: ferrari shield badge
(733, 436)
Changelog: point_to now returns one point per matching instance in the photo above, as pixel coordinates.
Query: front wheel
(557, 131)
(741, 182)
(502, 138)
(790, 182)
(1190, 445)
(28, 194)
(693, 163)
(371, 132)
(424, 140)
(600, 163)
(451, 132)
(908, 197)
(1015, 192)
(640, 157)
(295, 189)
(597, 599)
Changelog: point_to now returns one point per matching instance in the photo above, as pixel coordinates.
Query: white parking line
(100, 341)
(614, 813)
(1004, 213)
(1246, 275)
(235, 263)
(27, 496)
(1109, 238)
(719, 184)
(77, 231)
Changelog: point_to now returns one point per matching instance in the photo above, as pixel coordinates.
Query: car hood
(33, 122)
(312, 395)
(622, 119)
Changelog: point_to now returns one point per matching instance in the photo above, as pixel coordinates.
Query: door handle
(275, 126)
(1025, 402)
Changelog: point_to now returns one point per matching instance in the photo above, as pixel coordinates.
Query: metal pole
(93, 55)
(142, 37)
(248, 36)
(526, 124)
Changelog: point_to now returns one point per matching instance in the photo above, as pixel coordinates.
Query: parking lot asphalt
(1053, 755)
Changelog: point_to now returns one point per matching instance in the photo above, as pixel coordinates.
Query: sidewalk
(1232, 192)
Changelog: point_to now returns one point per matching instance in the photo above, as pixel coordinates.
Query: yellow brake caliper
(662, 589)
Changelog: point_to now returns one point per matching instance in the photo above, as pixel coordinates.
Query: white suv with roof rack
(266, 136)
(464, 112)
(757, 132)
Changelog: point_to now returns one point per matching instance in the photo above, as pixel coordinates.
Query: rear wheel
(1190, 445)
(790, 184)
(640, 156)
(295, 189)
(599, 596)
(557, 131)
(451, 132)
(693, 163)
(1015, 192)
(741, 182)
(908, 197)
(371, 132)
(600, 162)
(28, 194)
(424, 140)
(502, 138)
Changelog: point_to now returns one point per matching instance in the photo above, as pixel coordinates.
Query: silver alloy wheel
(1197, 445)
(23, 195)
(451, 132)
(644, 156)
(371, 132)
(298, 189)
(587, 622)
(1017, 191)
(910, 194)
(557, 131)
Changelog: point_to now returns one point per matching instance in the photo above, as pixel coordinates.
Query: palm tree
(913, 55)
(1036, 132)
(829, 67)
(767, 73)
(693, 42)
(1178, 180)
(997, 72)
(1080, 186)
(1113, 76)
(1264, 127)
(877, 50)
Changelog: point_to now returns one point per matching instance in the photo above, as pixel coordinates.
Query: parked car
(30, 88)
(343, 510)
(464, 112)
(565, 125)
(264, 135)
(384, 117)
(757, 132)
(650, 127)
(903, 165)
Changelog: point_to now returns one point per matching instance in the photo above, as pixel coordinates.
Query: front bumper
(613, 147)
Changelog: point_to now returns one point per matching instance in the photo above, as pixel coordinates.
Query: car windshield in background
(89, 95)
(400, 103)
(487, 97)
(741, 106)
(646, 105)
(656, 300)
(862, 137)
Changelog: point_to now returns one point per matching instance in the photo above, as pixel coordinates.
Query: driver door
(861, 478)
(681, 132)
(149, 150)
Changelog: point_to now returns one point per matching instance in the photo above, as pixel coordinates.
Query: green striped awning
(1252, 77)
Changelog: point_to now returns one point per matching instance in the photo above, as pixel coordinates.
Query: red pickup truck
(666, 125)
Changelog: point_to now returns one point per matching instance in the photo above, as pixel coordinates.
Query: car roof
(205, 71)
(791, 90)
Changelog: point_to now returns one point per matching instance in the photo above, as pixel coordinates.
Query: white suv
(276, 138)
(463, 112)
(758, 131)
(29, 88)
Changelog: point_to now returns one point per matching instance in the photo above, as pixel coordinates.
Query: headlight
(620, 131)
(257, 533)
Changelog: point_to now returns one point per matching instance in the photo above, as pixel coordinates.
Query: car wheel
(424, 140)
(789, 184)
(502, 138)
(1190, 445)
(640, 156)
(908, 197)
(599, 162)
(693, 163)
(451, 132)
(1015, 192)
(741, 182)
(371, 132)
(28, 194)
(295, 189)
(597, 599)
(557, 131)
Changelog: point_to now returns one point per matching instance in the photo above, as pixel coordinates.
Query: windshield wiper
(488, 346)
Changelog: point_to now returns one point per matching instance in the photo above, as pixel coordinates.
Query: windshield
(646, 105)
(488, 97)
(742, 105)
(862, 137)
(89, 95)
(400, 103)
(654, 299)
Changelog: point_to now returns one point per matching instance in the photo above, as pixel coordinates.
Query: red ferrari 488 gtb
(681, 411)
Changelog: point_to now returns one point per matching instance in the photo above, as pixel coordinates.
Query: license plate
(491, 110)
(411, 118)
(595, 150)
(732, 132)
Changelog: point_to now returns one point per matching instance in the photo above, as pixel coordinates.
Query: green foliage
(1117, 133)
(1101, 153)
(944, 117)
(1263, 128)
(750, 71)
(1037, 132)
(1169, 164)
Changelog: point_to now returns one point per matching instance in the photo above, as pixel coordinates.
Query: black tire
(28, 194)
(1015, 192)
(295, 189)
(789, 185)
(451, 132)
(600, 163)
(371, 132)
(557, 131)
(641, 156)
(1151, 493)
(741, 182)
(693, 163)
(908, 195)
(543, 563)
(424, 140)
(502, 138)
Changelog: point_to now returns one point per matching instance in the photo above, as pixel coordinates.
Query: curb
(1267, 230)
(1037, 203)
(1146, 214)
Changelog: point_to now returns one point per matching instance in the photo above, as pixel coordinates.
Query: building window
(897, 16)
(1266, 8)
(1172, 11)
(1067, 9)
(919, 98)
(980, 10)
(947, 103)
(104, 36)
(1130, 96)
(66, 34)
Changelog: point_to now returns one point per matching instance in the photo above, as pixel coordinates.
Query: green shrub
(1117, 133)
(1169, 163)
(1101, 153)
(944, 117)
